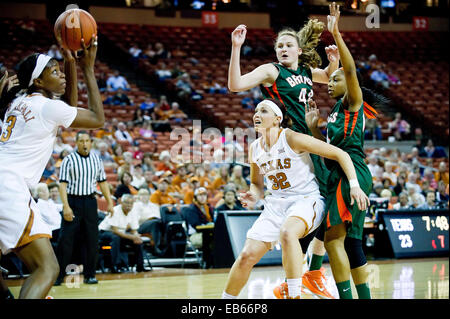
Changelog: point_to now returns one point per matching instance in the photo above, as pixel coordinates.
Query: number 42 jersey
(287, 173)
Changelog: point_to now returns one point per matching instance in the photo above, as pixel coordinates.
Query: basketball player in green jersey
(290, 81)
(345, 129)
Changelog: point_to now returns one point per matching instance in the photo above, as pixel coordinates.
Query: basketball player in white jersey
(295, 207)
(30, 123)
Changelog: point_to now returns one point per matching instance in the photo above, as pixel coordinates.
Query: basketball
(73, 25)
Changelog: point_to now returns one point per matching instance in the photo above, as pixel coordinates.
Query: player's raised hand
(332, 53)
(357, 195)
(238, 35)
(8, 82)
(247, 199)
(333, 18)
(312, 114)
(87, 60)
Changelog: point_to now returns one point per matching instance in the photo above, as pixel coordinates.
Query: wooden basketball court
(389, 279)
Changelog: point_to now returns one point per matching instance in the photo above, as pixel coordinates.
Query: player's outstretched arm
(305, 143)
(94, 117)
(354, 93)
(237, 82)
(322, 75)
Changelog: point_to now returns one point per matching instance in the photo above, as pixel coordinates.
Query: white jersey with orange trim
(28, 134)
(286, 172)
(294, 190)
(26, 142)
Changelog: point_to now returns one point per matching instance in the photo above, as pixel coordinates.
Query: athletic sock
(344, 289)
(294, 287)
(228, 296)
(363, 291)
(316, 262)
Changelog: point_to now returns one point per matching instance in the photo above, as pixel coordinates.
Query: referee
(79, 173)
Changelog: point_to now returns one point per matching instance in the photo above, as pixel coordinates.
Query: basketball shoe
(314, 282)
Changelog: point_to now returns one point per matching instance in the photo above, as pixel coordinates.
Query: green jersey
(292, 89)
(346, 130)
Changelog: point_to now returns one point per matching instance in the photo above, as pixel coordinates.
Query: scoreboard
(418, 233)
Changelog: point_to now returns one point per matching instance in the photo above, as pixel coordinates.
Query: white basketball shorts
(310, 209)
(20, 218)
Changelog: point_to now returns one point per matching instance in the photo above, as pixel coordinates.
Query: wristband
(353, 183)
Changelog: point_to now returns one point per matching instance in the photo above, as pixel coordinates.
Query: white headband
(274, 108)
(41, 62)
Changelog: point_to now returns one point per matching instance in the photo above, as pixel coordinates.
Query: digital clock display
(417, 233)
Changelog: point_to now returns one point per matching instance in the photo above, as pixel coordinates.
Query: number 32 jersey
(29, 132)
(287, 173)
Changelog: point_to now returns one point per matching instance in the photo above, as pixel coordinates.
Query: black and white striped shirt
(81, 173)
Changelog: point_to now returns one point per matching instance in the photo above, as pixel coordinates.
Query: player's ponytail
(373, 101)
(24, 71)
(309, 37)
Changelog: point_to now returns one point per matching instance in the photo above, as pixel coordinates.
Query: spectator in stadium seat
(125, 187)
(442, 173)
(375, 169)
(428, 176)
(105, 156)
(148, 104)
(101, 82)
(380, 77)
(163, 104)
(122, 228)
(222, 178)
(138, 178)
(403, 201)
(60, 146)
(199, 212)
(149, 53)
(53, 189)
(147, 162)
(441, 194)
(400, 186)
(417, 200)
(122, 133)
(120, 98)
(230, 201)
(116, 81)
(163, 73)
(189, 190)
(376, 190)
(184, 86)
(400, 127)
(135, 51)
(373, 130)
(430, 201)
(146, 131)
(165, 163)
(175, 112)
(161, 52)
(237, 179)
(51, 213)
(389, 173)
(161, 196)
(150, 185)
(181, 176)
(432, 151)
(149, 219)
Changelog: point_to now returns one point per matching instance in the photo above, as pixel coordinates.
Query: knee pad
(355, 253)
(320, 234)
